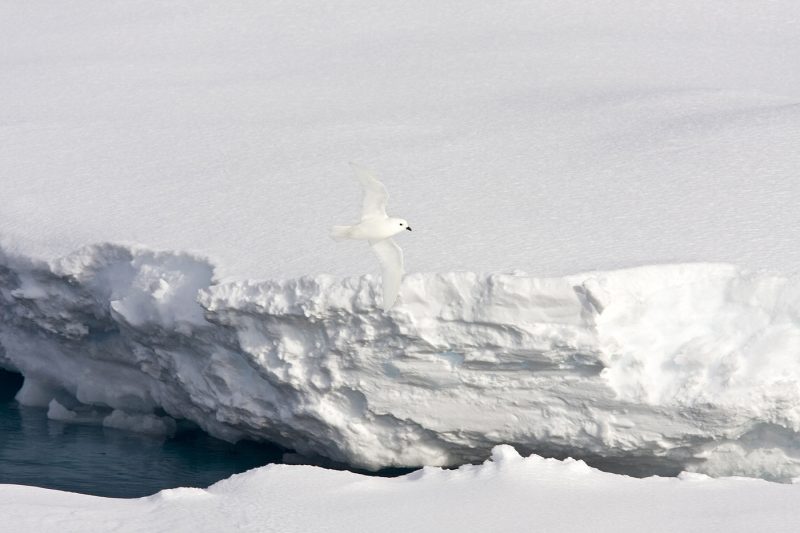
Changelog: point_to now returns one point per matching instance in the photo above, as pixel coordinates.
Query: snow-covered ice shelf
(650, 370)
(553, 136)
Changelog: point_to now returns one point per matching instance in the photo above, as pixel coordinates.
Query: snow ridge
(671, 367)
(507, 493)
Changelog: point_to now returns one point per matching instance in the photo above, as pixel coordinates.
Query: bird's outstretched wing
(375, 195)
(391, 257)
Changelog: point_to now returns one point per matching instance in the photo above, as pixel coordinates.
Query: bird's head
(401, 224)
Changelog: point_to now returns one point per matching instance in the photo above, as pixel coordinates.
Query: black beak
(409, 228)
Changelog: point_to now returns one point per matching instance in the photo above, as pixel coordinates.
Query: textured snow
(506, 494)
(649, 370)
(550, 136)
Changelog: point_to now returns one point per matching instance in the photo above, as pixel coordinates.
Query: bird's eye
(401, 223)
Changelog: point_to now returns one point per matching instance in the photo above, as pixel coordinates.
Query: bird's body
(377, 228)
(371, 229)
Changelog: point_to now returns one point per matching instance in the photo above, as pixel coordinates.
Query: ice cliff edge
(670, 367)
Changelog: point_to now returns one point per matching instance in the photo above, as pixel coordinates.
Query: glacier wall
(649, 370)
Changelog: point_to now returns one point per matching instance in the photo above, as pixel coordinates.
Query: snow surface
(551, 136)
(506, 494)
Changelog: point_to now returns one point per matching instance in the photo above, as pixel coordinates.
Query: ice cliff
(649, 370)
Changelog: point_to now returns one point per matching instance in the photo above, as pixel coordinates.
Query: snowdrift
(650, 370)
(506, 494)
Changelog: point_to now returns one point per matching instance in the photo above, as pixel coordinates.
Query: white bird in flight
(377, 228)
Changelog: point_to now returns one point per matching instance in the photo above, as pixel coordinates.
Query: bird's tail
(339, 233)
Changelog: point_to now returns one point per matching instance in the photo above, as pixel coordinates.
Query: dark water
(107, 462)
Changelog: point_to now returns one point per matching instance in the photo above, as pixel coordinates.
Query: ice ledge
(650, 370)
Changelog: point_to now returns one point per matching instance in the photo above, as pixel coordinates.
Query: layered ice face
(668, 368)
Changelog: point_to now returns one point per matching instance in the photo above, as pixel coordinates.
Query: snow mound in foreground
(650, 370)
(507, 493)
